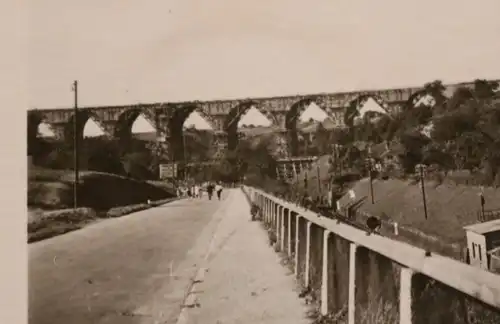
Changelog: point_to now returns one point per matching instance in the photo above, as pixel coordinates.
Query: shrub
(42, 219)
(124, 210)
(255, 212)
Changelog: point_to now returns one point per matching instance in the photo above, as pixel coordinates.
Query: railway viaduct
(223, 115)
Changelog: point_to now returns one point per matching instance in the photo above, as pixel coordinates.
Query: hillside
(450, 204)
(450, 207)
(53, 189)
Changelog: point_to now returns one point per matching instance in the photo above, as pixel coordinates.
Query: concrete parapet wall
(361, 278)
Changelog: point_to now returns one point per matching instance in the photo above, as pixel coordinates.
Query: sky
(131, 51)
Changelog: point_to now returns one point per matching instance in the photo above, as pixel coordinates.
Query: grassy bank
(449, 207)
(451, 204)
(100, 195)
(53, 189)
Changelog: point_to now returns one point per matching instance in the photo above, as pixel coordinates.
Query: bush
(50, 195)
(39, 219)
(255, 212)
(124, 210)
(46, 224)
(162, 201)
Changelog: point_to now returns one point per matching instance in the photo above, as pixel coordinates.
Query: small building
(482, 239)
(495, 260)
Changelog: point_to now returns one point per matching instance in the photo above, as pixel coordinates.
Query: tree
(436, 90)
(197, 145)
(102, 155)
(256, 157)
(469, 150)
(414, 144)
(137, 165)
(323, 140)
(459, 97)
(484, 89)
(449, 127)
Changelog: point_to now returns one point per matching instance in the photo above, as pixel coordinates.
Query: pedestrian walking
(196, 190)
(210, 191)
(218, 190)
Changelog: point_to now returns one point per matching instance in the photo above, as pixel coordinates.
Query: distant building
(483, 245)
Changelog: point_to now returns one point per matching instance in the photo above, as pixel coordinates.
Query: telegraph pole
(184, 154)
(75, 146)
(483, 202)
(370, 170)
(421, 168)
(319, 180)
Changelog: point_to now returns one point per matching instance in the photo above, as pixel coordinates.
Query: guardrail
(347, 270)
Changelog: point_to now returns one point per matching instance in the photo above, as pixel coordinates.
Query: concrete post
(308, 253)
(264, 206)
(282, 228)
(405, 299)
(324, 275)
(269, 210)
(270, 217)
(276, 221)
(297, 240)
(351, 311)
(289, 242)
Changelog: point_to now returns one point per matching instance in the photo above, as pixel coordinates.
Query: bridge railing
(373, 279)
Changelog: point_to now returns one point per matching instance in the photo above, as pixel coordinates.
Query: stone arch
(82, 117)
(176, 120)
(35, 119)
(234, 116)
(207, 117)
(126, 120)
(291, 120)
(352, 106)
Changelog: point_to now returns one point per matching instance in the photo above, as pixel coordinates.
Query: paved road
(134, 269)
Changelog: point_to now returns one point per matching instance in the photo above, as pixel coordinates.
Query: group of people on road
(196, 190)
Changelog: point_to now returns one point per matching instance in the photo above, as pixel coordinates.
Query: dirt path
(244, 281)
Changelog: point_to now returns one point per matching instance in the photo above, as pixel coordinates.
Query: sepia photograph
(274, 162)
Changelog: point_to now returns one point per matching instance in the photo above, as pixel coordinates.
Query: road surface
(133, 269)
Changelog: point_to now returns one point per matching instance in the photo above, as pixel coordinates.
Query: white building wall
(477, 250)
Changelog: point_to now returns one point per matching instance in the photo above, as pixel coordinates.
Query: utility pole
(370, 172)
(421, 168)
(483, 202)
(335, 159)
(319, 180)
(75, 146)
(184, 154)
(370, 163)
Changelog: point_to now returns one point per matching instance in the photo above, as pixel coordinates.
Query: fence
(374, 279)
